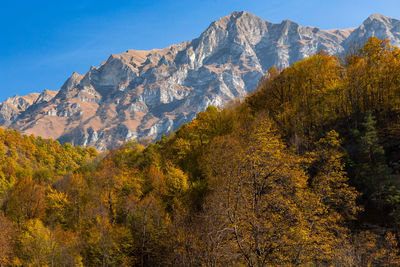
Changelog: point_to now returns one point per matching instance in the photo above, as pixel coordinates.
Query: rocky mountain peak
(72, 81)
(45, 96)
(376, 25)
(235, 17)
(14, 106)
(377, 18)
(144, 94)
(288, 22)
(236, 23)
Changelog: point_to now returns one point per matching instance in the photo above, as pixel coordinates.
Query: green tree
(371, 171)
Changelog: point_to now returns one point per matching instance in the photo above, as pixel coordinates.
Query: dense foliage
(304, 172)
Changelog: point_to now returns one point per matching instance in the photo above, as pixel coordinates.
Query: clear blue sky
(43, 42)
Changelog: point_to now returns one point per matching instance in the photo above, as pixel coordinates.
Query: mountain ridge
(144, 94)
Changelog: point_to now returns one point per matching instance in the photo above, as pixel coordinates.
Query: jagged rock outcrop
(13, 106)
(149, 93)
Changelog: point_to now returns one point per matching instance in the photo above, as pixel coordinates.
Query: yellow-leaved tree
(265, 207)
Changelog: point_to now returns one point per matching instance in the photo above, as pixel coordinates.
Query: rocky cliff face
(149, 93)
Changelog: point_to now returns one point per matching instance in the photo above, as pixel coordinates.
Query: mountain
(13, 106)
(144, 94)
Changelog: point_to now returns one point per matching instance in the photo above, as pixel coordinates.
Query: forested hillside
(304, 172)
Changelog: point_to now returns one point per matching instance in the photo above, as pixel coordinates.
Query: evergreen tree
(370, 168)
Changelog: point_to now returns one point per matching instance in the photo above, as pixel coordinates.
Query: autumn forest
(303, 172)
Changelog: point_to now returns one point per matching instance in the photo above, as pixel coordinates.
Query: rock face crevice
(149, 93)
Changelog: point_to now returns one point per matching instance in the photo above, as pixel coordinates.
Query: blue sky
(43, 42)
